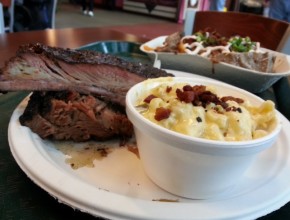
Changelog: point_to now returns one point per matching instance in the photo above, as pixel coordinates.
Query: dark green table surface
(20, 198)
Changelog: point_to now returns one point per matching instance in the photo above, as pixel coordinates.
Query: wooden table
(20, 198)
(67, 38)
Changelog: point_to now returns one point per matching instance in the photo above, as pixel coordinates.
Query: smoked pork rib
(38, 67)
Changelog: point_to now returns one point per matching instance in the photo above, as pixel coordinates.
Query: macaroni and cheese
(197, 111)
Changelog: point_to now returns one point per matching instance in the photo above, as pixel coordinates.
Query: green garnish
(237, 43)
(210, 38)
(200, 37)
(240, 44)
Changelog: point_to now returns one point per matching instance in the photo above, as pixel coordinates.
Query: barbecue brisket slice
(77, 95)
(72, 116)
(37, 67)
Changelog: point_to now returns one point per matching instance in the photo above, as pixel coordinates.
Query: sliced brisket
(71, 116)
(78, 95)
(37, 67)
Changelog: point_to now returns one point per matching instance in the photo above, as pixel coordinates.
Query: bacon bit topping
(187, 88)
(199, 96)
(198, 89)
(168, 89)
(230, 98)
(207, 97)
(149, 98)
(185, 96)
(162, 113)
(198, 119)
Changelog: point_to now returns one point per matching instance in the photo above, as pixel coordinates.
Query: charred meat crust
(37, 67)
(90, 57)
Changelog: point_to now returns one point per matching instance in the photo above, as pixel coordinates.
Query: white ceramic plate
(117, 187)
(250, 80)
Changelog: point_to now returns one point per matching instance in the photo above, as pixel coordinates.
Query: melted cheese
(250, 122)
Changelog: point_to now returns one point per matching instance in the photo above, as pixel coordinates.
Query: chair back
(269, 32)
(284, 45)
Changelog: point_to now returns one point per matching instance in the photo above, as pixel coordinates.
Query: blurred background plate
(126, 50)
(251, 80)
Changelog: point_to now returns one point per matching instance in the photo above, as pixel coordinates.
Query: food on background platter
(236, 50)
(77, 95)
(198, 111)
